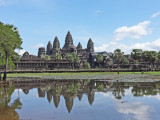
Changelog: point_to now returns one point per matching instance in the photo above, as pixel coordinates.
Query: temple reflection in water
(70, 89)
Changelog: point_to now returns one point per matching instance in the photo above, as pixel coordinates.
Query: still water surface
(80, 100)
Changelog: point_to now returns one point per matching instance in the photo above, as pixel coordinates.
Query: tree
(76, 59)
(153, 57)
(136, 54)
(145, 57)
(70, 59)
(58, 58)
(118, 57)
(73, 59)
(125, 61)
(87, 65)
(99, 59)
(2, 61)
(47, 57)
(9, 41)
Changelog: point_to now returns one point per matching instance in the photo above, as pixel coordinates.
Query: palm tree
(153, 58)
(118, 57)
(70, 59)
(99, 59)
(58, 58)
(73, 59)
(77, 60)
(136, 54)
(145, 57)
(9, 41)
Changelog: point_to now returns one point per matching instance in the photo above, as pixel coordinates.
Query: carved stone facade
(41, 52)
(85, 54)
(69, 47)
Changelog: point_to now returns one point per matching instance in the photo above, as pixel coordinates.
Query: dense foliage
(73, 59)
(9, 41)
(87, 65)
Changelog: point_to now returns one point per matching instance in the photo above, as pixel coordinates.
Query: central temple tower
(68, 42)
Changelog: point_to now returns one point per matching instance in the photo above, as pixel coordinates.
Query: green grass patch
(80, 73)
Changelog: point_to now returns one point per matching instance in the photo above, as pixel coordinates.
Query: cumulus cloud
(154, 45)
(20, 52)
(139, 111)
(135, 31)
(155, 14)
(38, 45)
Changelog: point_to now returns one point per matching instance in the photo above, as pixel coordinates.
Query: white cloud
(97, 12)
(155, 14)
(139, 111)
(135, 31)
(3, 2)
(20, 52)
(38, 45)
(151, 96)
(110, 47)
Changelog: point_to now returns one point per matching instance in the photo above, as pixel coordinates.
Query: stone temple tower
(79, 46)
(56, 46)
(49, 48)
(90, 46)
(68, 42)
(41, 52)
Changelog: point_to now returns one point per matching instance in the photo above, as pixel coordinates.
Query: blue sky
(124, 24)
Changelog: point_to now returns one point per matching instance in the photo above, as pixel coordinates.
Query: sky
(111, 24)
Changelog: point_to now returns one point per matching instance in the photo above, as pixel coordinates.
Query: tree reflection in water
(70, 89)
(7, 112)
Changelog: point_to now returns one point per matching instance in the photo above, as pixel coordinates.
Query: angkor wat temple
(87, 54)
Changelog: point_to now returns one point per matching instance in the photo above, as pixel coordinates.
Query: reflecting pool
(80, 100)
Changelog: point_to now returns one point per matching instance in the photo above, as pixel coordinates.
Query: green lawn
(81, 73)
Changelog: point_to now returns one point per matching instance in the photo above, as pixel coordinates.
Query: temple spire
(49, 48)
(91, 97)
(56, 100)
(79, 46)
(68, 41)
(90, 46)
(56, 46)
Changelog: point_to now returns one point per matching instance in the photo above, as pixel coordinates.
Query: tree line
(137, 56)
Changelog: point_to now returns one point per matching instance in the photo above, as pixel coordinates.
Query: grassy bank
(82, 73)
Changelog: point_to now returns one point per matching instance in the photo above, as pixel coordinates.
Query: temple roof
(79, 46)
(56, 44)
